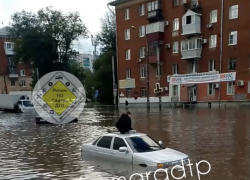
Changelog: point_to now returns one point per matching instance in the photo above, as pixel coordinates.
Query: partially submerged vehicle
(16, 103)
(40, 120)
(137, 150)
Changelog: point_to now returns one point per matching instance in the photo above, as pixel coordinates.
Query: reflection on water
(30, 151)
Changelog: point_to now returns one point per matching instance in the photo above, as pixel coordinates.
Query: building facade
(184, 37)
(13, 77)
(85, 60)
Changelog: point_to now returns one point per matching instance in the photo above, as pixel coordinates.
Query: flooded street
(30, 151)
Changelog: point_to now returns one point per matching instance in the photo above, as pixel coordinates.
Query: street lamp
(147, 72)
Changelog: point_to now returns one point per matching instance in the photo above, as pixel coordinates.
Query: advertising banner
(203, 78)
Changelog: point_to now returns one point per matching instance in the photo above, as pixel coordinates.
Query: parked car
(136, 149)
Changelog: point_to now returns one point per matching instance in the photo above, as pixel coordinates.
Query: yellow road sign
(59, 98)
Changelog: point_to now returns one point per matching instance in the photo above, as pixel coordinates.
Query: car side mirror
(123, 149)
(160, 142)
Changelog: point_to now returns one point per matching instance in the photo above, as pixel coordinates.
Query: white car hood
(161, 156)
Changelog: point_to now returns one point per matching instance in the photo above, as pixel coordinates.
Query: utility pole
(159, 74)
(114, 81)
(94, 43)
(147, 76)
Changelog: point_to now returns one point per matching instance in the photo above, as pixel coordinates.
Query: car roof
(118, 134)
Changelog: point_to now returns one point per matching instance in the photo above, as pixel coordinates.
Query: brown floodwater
(30, 151)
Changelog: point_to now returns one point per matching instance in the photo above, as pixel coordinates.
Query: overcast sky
(90, 10)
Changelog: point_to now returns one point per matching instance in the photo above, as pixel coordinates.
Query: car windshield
(143, 144)
(27, 104)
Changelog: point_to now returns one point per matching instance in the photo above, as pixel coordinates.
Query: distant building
(13, 77)
(85, 60)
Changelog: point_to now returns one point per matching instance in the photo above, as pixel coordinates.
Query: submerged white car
(134, 149)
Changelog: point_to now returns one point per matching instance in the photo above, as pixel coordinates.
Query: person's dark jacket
(124, 124)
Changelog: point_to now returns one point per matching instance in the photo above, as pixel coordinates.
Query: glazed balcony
(194, 5)
(155, 12)
(155, 31)
(191, 48)
(13, 73)
(191, 24)
(9, 48)
(152, 53)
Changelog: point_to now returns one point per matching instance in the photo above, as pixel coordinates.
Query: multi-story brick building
(13, 77)
(185, 36)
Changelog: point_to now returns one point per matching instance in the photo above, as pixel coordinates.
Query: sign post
(96, 95)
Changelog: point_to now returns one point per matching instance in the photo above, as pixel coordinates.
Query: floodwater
(30, 151)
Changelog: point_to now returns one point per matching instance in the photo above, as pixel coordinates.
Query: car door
(102, 148)
(125, 157)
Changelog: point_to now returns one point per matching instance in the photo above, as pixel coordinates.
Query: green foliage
(102, 79)
(46, 38)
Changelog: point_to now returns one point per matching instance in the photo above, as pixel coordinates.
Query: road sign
(61, 98)
(158, 88)
(96, 93)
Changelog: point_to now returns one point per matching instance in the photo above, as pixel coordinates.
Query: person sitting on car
(124, 123)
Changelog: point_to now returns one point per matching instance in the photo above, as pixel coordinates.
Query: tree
(102, 76)
(46, 38)
(107, 36)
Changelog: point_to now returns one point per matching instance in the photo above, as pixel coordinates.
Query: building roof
(4, 31)
(118, 2)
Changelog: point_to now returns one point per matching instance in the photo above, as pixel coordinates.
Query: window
(233, 12)
(153, 5)
(188, 20)
(23, 83)
(141, 10)
(213, 41)
(152, 49)
(233, 38)
(176, 24)
(213, 16)
(193, 67)
(142, 31)
(156, 71)
(142, 52)
(128, 54)
(13, 83)
(248, 91)
(143, 92)
(175, 90)
(175, 68)
(232, 63)
(127, 34)
(128, 93)
(118, 142)
(126, 14)
(175, 3)
(230, 88)
(211, 65)
(22, 72)
(9, 46)
(211, 89)
(175, 47)
(142, 70)
(105, 142)
(128, 74)
(191, 44)
(143, 144)
(94, 143)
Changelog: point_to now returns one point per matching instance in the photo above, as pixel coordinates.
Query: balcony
(194, 6)
(9, 48)
(155, 12)
(191, 48)
(126, 83)
(155, 31)
(191, 24)
(13, 73)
